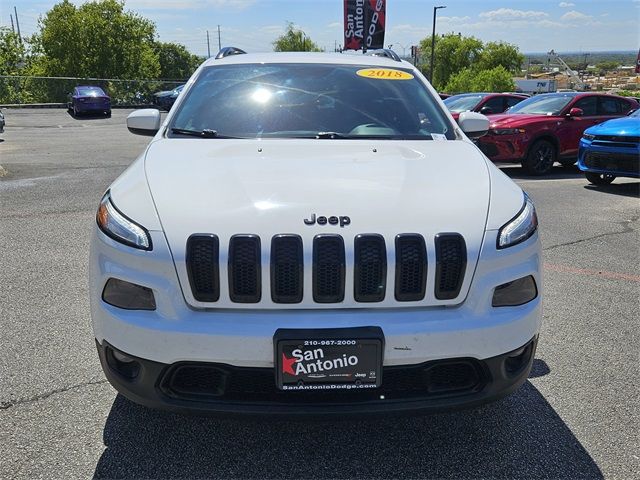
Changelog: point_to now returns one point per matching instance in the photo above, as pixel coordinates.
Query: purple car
(89, 99)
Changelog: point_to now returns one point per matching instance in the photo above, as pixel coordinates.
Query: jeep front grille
(244, 269)
(451, 261)
(328, 268)
(287, 269)
(202, 267)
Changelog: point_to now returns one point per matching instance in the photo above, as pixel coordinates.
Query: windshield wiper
(204, 133)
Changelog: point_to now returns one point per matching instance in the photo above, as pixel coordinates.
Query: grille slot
(203, 267)
(286, 269)
(451, 261)
(328, 269)
(411, 268)
(244, 269)
(370, 268)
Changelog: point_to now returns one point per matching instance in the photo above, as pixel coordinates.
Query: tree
(176, 63)
(606, 66)
(497, 79)
(294, 40)
(453, 53)
(12, 52)
(500, 53)
(97, 39)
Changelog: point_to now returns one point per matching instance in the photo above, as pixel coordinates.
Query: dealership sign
(364, 22)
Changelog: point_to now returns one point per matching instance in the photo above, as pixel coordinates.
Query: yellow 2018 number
(384, 74)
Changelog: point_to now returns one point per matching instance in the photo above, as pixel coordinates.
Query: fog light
(127, 295)
(123, 364)
(515, 293)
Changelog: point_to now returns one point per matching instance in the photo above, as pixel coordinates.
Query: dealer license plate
(329, 359)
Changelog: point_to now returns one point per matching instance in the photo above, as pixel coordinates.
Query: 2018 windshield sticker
(384, 74)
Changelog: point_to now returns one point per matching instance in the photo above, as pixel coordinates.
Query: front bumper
(618, 161)
(503, 148)
(224, 389)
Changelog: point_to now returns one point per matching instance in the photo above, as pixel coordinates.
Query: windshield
(310, 101)
(542, 104)
(635, 114)
(462, 103)
(91, 91)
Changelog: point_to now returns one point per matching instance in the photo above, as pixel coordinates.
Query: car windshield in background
(635, 114)
(91, 91)
(462, 103)
(542, 105)
(309, 101)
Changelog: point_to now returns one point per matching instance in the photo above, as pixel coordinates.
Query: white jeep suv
(312, 233)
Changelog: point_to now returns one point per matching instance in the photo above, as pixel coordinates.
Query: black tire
(599, 178)
(540, 159)
(74, 112)
(108, 114)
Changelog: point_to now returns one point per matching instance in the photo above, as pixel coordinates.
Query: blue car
(611, 149)
(89, 99)
(165, 100)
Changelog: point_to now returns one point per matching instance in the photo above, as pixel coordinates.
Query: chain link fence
(23, 90)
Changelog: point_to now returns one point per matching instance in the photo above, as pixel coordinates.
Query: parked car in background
(89, 99)
(611, 149)
(547, 128)
(165, 100)
(485, 103)
(1, 122)
(443, 96)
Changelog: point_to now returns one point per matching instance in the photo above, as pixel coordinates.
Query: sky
(533, 25)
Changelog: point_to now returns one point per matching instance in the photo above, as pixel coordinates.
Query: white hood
(269, 187)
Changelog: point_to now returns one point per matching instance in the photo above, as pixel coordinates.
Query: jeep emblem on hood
(333, 220)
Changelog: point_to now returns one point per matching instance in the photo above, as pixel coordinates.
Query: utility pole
(433, 41)
(208, 46)
(219, 42)
(17, 23)
(12, 27)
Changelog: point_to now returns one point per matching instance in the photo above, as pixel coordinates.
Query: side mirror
(575, 112)
(144, 122)
(473, 124)
(486, 110)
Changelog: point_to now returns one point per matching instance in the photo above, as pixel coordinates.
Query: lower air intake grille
(620, 162)
(286, 269)
(328, 269)
(202, 267)
(244, 269)
(370, 268)
(451, 261)
(411, 268)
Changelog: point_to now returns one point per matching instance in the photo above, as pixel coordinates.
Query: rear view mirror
(473, 124)
(144, 122)
(486, 111)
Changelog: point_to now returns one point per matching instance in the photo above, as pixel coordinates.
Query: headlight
(507, 131)
(588, 136)
(521, 227)
(120, 228)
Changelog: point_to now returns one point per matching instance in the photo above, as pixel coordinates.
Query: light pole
(433, 41)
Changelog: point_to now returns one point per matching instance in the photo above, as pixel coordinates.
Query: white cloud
(504, 14)
(335, 25)
(574, 15)
(566, 4)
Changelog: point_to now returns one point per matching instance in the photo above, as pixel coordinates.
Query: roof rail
(226, 51)
(385, 52)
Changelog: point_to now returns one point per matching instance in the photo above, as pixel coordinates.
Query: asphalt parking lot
(578, 416)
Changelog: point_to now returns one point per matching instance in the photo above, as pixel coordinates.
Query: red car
(547, 128)
(485, 103)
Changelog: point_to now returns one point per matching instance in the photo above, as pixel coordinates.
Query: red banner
(364, 23)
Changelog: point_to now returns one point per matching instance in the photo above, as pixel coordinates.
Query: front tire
(540, 159)
(599, 178)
